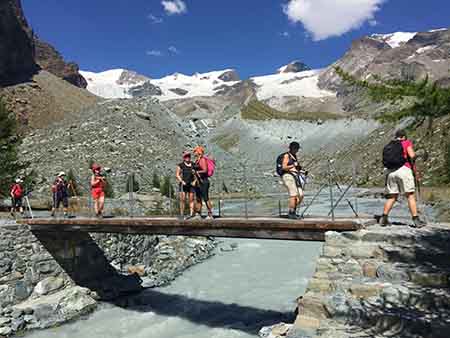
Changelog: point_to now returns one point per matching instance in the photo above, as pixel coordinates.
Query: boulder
(48, 285)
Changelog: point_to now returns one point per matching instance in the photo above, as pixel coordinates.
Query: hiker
(202, 174)
(17, 193)
(98, 184)
(185, 177)
(60, 192)
(290, 171)
(398, 160)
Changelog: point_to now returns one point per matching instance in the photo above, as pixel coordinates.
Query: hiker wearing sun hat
(60, 191)
(204, 169)
(186, 178)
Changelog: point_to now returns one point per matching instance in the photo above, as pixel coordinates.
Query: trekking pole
(330, 182)
(29, 206)
(246, 190)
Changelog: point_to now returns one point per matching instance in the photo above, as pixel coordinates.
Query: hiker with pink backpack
(204, 168)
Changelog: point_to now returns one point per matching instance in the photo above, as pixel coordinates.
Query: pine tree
(167, 188)
(9, 142)
(156, 182)
(109, 190)
(72, 180)
(132, 182)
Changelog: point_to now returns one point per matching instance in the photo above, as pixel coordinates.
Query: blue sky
(160, 37)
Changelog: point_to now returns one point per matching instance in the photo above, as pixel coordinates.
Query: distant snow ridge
(114, 83)
(290, 84)
(395, 39)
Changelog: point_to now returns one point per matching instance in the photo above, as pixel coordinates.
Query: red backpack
(17, 191)
(211, 166)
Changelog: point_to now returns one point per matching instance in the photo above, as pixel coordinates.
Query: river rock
(48, 285)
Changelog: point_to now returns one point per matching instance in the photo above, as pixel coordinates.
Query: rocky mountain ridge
(22, 53)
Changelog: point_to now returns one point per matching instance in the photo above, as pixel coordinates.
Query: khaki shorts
(291, 185)
(400, 181)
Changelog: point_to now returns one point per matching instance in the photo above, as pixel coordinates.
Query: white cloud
(174, 6)
(154, 19)
(173, 50)
(154, 52)
(327, 18)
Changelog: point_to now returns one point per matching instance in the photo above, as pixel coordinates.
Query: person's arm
(411, 153)
(13, 189)
(203, 164)
(286, 166)
(178, 175)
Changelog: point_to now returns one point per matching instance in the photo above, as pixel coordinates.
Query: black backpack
(393, 158)
(279, 167)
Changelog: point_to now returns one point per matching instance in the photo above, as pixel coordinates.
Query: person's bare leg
(199, 205)
(191, 204)
(389, 204)
(412, 204)
(210, 207)
(96, 206)
(101, 206)
(292, 203)
(182, 202)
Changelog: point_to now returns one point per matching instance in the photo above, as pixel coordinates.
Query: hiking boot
(418, 223)
(384, 221)
(209, 217)
(292, 216)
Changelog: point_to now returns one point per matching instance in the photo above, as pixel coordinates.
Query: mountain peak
(396, 39)
(295, 66)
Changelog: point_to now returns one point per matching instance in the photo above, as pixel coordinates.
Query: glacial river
(231, 295)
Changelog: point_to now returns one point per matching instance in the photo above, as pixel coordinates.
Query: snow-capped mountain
(120, 83)
(394, 39)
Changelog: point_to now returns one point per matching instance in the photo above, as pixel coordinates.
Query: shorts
(16, 202)
(188, 188)
(202, 191)
(400, 181)
(58, 199)
(290, 183)
(97, 194)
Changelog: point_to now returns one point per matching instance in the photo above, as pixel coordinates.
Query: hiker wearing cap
(98, 184)
(185, 177)
(398, 160)
(202, 173)
(17, 193)
(60, 192)
(292, 179)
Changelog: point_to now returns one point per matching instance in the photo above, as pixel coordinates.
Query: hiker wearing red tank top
(399, 158)
(98, 184)
(202, 187)
(17, 193)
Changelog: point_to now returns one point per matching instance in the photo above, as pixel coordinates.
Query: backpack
(393, 157)
(279, 164)
(17, 191)
(211, 166)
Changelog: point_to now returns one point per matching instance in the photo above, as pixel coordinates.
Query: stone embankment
(37, 287)
(377, 282)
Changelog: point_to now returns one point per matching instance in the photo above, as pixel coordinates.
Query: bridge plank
(256, 227)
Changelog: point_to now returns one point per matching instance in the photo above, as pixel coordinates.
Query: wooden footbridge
(309, 229)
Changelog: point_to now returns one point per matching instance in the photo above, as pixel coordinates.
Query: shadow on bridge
(213, 314)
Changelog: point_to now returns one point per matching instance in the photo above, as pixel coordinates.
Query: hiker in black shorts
(185, 177)
(202, 187)
(60, 191)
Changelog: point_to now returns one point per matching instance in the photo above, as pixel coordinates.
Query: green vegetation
(226, 141)
(256, 110)
(9, 142)
(132, 184)
(109, 190)
(167, 188)
(427, 100)
(447, 162)
(156, 181)
(75, 190)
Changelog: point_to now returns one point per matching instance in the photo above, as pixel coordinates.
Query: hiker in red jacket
(98, 184)
(17, 193)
